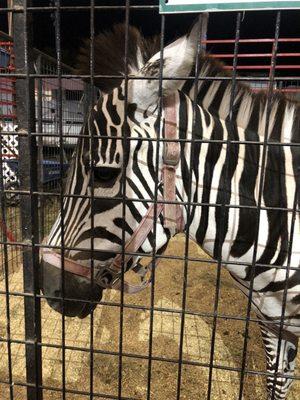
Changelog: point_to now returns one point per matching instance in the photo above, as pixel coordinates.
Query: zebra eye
(106, 175)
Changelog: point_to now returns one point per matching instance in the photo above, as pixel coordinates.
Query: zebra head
(95, 223)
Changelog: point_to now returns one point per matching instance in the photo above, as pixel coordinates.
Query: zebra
(105, 164)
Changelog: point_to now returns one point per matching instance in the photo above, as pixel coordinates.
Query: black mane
(109, 59)
(109, 55)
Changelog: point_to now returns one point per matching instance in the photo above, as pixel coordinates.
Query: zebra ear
(178, 61)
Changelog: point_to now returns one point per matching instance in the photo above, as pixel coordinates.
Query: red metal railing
(251, 69)
(7, 85)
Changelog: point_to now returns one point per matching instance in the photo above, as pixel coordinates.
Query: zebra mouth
(87, 309)
(77, 299)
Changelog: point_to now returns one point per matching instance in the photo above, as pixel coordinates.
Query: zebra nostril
(57, 295)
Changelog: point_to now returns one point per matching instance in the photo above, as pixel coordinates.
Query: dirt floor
(166, 339)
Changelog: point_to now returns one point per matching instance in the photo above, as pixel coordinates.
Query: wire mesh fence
(46, 104)
(110, 160)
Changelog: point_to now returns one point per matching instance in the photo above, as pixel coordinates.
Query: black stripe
(113, 145)
(112, 110)
(224, 192)
(276, 286)
(98, 232)
(274, 194)
(212, 157)
(218, 97)
(248, 221)
(183, 121)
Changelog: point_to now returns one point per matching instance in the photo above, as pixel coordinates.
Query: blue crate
(4, 58)
(51, 169)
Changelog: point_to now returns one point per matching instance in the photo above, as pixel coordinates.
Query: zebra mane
(215, 96)
(284, 117)
(109, 52)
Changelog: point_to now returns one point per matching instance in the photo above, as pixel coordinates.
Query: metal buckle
(171, 155)
(101, 279)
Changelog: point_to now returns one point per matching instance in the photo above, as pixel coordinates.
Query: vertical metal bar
(28, 181)
(88, 97)
(285, 292)
(189, 206)
(259, 201)
(123, 189)
(92, 161)
(39, 110)
(203, 33)
(223, 209)
(6, 272)
(61, 193)
(159, 116)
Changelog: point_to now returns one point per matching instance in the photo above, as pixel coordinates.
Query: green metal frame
(214, 6)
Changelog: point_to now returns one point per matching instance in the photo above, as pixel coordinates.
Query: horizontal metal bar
(8, 103)
(157, 256)
(288, 90)
(259, 67)
(71, 391)
(162, 140)
(78, 8)
(145, 357)
(137, 200)
(256, 41)
(13, 116)
(148, 308)
(251, 55)
(8, 44)
(164, 78)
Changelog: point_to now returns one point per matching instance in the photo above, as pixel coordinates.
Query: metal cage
(191, 335)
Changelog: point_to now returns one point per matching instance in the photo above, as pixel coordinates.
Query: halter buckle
(171, 155)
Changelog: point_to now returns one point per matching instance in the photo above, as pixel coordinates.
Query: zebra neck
(224, 99)
(222, 177)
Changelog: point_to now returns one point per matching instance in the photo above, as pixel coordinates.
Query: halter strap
(172, 212)
(115, 268)
(171, 159)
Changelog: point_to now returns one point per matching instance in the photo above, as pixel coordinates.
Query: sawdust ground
(200, 297)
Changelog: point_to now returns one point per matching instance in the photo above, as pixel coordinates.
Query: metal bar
(7, 102)
(256, 41)
(34, 191)
(72, 391)
(181, 78)
(92, 202)
(285, 292)
(254, 55)
(201, 32)
(59, 109)
(140, 357)
(29, 217)
(257, 143)
(123, 194)
(130, 307)
(81, 8)
(12, 116)
(40, 146)
(259, 200)
(280, 90)
(223, 208)
(171, 257)
(144, 201)
(243, 67)
(157, 144)
(6, 235)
